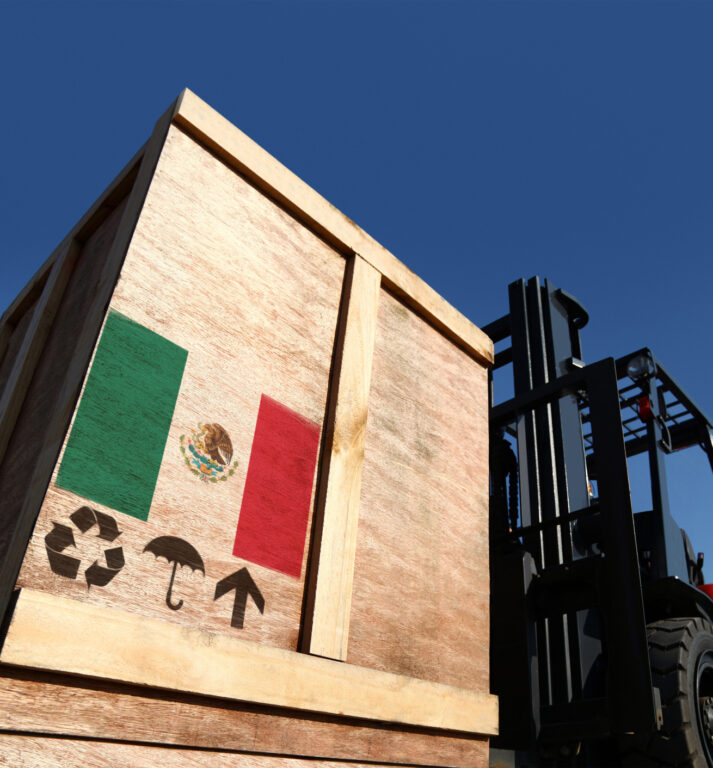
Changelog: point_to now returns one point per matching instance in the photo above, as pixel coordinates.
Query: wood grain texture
(48, 440)
(253, 296)
(43, 703)
(28, 356)
(61, 635)
(233, 146)
(421, 583)
(24, 751)
(42, 397)
(340, 517)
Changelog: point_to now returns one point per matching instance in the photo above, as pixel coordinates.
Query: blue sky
(479, 141)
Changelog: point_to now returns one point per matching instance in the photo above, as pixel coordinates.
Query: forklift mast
(571, 592)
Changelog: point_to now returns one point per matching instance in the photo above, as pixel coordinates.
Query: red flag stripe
(273, 517)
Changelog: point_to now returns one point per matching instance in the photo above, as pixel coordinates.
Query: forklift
(601, 624)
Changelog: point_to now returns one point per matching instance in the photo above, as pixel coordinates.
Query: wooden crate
(243, 472)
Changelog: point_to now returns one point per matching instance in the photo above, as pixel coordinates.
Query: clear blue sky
(479, 141)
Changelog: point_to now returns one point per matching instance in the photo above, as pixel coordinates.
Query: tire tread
(676, 745)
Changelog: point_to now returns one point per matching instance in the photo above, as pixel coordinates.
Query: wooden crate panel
(48, 704)
(240, 349)
(44, 389)
(420, 594)
(217, 416)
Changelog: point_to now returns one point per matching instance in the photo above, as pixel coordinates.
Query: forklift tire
(681, 657)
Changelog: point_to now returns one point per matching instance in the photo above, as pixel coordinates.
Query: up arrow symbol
(242, 582)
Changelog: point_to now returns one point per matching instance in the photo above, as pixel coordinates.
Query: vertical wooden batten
(33, 343)
(79, 362)
(328, 610)
(5, 333)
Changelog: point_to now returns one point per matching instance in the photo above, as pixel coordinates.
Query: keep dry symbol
(179, 552)
(61, 537)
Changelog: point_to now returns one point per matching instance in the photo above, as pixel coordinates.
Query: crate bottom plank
(59, 635)
(44, 703)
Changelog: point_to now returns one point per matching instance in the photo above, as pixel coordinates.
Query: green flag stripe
(114, 451)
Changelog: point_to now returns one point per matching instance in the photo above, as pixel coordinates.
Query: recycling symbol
(62, 536)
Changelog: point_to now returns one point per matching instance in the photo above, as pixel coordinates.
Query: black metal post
(631, 697)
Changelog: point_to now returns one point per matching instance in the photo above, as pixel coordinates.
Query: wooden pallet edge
(37, 702)
(61, 635)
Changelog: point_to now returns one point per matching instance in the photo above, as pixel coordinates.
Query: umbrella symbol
(179, 552)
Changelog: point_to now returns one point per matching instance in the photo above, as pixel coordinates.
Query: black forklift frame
(571, 592)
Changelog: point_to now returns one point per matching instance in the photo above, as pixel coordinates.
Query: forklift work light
(640, 366)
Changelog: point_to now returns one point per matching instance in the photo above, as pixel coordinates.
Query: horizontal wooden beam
(64, 705)
(51, 633)
(244, 155)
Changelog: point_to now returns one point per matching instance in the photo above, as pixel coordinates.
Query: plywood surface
(61, 635)
(42, 703)
(251, 296)
(420, 596)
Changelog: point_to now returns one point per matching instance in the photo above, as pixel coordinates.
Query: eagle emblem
(208, 453)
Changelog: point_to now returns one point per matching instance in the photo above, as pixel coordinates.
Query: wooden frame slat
(33, 343)
(329, 609)
(240, 152)
(62, 635)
